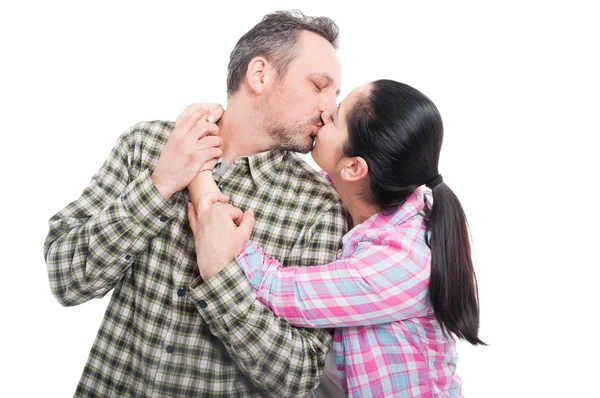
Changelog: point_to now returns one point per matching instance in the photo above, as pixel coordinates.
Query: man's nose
(327, 102)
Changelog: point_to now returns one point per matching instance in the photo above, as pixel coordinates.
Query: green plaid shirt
(166, 332)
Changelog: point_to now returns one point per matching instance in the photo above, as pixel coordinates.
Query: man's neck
(242, 132)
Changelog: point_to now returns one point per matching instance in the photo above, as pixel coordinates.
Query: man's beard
(294, 137)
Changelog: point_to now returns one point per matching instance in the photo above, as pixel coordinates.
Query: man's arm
(281, 360)
(93, 241)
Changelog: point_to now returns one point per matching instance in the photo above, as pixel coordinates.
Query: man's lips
(314, 133)
(318, 127)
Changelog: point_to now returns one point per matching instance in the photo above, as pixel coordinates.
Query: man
(167, 332)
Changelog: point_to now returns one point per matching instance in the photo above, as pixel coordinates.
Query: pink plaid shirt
(387, 342)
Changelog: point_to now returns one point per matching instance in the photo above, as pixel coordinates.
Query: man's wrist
(165, 191)
(210, 268)
(227, 293)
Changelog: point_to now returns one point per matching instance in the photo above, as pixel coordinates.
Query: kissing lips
(314, 133)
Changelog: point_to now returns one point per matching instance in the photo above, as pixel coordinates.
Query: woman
(403, 284)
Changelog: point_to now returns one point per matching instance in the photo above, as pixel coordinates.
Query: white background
(517, 84)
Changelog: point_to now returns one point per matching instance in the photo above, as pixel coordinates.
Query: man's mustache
(317, 120)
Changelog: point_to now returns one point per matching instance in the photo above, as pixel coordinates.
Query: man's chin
(304, 147)
(303, 150)
(289, 139)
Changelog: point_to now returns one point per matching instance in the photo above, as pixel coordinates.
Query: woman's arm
(203, 182)
(381, 283)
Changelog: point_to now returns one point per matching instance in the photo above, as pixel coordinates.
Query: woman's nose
(326, 117)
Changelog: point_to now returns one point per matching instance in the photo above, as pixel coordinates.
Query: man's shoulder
(155, 132)
(143, 142)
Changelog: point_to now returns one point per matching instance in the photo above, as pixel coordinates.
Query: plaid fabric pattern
(387, 342)
(166, 332)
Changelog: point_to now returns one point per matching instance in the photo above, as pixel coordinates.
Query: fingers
(210, 198)
(208, 149)
(182, 115)
(208, 106)
(204, 109)
(222, 198)
(204, 155)
(246, 224)
(201, 129)
(210, 141)
(225, 210)
(212, 112)
(189, 120)
(233, 213)
(236, 215)
(215, 114)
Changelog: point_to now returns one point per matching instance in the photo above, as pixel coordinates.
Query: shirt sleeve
(93, 241)
(281, 360)
(381, 283)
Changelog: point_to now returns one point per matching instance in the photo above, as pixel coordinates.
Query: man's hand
(213, 112)
(194, 142)
(220, 232)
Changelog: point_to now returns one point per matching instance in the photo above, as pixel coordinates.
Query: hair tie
(435, 182)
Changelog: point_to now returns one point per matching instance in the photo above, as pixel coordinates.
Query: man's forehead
(317, 57)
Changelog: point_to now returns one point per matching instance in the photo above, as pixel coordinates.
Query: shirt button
(163, 218)
(337, 339)
(340, 367)
(202, 304)
(170, 349)
(127, 257)
(181, 292)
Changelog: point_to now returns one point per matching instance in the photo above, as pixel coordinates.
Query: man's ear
(258, 74)
(355, 169)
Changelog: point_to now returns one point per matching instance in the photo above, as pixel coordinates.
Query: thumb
(247, 224)
(210, 198)
(215, 114)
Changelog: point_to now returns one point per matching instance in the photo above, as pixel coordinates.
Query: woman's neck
(358, 209)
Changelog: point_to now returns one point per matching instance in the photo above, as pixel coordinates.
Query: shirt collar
(265, 166)
(414, 205)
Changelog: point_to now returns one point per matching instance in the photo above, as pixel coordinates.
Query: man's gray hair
(275, 37)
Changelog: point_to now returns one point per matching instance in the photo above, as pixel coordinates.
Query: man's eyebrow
(327, 77)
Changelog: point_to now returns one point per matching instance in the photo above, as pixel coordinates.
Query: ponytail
(398, 131)
(452, 284)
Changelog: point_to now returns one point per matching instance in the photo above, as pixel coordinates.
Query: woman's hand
(220, 232)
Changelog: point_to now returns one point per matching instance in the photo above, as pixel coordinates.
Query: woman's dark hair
(398, 131)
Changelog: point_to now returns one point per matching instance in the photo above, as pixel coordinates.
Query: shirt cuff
(226, 293)
(145, 204)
